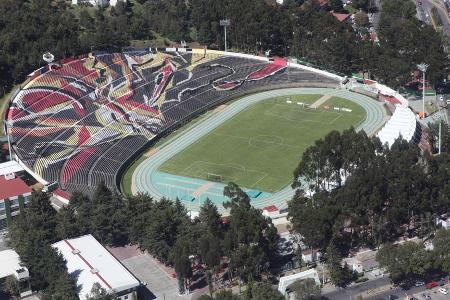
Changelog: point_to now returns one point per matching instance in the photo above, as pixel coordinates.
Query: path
(320, 101)
(142, 176)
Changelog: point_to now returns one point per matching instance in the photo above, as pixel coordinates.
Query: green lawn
(261, 146)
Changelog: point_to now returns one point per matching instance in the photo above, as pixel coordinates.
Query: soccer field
(261, 146)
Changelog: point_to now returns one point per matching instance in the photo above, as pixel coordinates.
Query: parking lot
(433, 294)
(159, 282)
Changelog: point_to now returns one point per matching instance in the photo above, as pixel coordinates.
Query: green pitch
(261, 146)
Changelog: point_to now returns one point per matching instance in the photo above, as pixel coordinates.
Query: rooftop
(10, 262)
(90, 262)
(9, 167)
(341, 17)
(12, 188)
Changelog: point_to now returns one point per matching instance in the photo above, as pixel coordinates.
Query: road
(424, 13)
(379, 288)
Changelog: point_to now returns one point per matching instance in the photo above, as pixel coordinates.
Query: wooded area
(245, 242)
(303, 30)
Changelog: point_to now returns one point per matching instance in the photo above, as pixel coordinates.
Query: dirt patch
(125, 252)
(220, 108)
(151, 152)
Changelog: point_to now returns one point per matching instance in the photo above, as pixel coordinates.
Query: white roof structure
(10, 265)
(90, 262)
(402, 122)
(10, 167)
(288, 280)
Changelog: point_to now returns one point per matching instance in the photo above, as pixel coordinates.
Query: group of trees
(410, 261)
(245, 241)
(31, 235)
(388, 192)
(297, 28)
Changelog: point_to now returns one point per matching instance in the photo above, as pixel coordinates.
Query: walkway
(142, 176)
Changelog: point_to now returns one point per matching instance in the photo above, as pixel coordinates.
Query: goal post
(214, 177)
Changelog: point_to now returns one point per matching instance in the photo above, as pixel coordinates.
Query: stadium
(86, 120)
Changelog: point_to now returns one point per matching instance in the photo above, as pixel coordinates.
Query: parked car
(443, 291)
(419, 283)
(432, 284)
(426, 296)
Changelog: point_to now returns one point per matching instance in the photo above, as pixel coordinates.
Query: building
(10, 266)
(443, 221)
(341, 17)
(14, 194)
(60, 198)
(97, 2)
(91, 263)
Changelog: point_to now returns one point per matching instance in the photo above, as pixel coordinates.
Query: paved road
(424, 13)
(379, 288)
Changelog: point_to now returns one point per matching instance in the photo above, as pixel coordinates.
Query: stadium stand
(402, 123)
(80, 121)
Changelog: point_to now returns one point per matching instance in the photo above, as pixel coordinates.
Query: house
(310, 255)
(89, 262)
(14, 194)
(11, 266)
(341, 17)
(363, 261)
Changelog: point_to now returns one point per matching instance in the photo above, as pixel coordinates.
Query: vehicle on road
(432, 284)
(443, 291)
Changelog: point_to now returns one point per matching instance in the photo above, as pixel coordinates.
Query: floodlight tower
(423, 67)
(225, 23)
(48, 58)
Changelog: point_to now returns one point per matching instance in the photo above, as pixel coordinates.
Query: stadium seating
(80, 121)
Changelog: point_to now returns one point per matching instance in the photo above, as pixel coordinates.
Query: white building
(10, 266)
(91, 263)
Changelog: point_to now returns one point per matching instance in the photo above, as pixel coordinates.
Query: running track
(141, 180)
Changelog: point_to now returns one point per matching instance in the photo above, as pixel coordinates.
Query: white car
(443, 291)
(419, 283)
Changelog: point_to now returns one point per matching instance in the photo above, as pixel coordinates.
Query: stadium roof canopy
(90, 262)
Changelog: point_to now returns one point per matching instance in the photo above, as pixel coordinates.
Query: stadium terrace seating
(79, 122)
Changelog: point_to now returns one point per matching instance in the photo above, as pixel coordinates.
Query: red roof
(271, 208)
(62, 194)
(341, 17)
(12, 188)
(322, 3)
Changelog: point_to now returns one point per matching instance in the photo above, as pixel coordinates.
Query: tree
(99, 293)
(405, 261)
(336, 5)
(251, 239)
(12, 287)
(340, 275)
(182, 263)
(264, 291)
(305, 289)
(361, 19)
(441, 243)
(66, 223)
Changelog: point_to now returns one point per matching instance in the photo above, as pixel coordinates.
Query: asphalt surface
(424, 13)
(380, 288)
